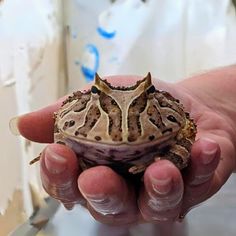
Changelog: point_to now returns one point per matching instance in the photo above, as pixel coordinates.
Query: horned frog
(126, 128)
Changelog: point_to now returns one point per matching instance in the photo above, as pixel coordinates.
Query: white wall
(31, 65)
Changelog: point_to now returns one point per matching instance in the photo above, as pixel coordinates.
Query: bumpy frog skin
(126, 128)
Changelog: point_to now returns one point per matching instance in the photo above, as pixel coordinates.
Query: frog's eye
(95, 90)
(151, 89)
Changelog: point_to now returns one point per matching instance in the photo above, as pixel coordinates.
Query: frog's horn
(98, 80)
(146, 82)
(101, 84)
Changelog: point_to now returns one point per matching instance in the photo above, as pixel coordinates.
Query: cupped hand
(165, 193)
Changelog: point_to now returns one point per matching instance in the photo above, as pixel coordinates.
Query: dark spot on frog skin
(97, 138)
(171, 118)
(151, 137)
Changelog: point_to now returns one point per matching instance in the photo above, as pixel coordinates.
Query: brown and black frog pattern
(126, 128)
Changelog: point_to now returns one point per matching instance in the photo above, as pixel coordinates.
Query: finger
(110, 199)
(37, 126)
(161, 197)
(227, 162)
(59, 173)
(205, 156)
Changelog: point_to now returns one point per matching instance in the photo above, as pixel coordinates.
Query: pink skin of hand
(165, 194)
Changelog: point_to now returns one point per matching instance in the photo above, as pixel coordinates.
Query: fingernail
(105, 205)
(165, 203)
(13, 126)
(161, 186)
(54, 162)
(200, 179)
(209, 151)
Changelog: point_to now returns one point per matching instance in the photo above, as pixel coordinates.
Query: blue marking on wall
(105, 34)
(89, 72)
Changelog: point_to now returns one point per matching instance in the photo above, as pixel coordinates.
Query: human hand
(165, 194)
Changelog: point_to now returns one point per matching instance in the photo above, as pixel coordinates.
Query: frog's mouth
(125, 159)
(122, 150)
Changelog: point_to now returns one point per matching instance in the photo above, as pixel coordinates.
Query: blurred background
(49, 48)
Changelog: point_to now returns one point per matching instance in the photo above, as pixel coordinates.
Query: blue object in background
(90, 71)
(105, 34)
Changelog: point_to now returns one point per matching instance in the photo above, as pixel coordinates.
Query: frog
(126, 128)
